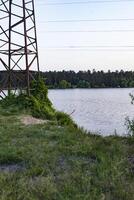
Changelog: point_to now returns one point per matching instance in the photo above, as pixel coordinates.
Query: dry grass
(29, 120)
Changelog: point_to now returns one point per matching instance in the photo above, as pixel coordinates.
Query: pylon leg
(18, 45)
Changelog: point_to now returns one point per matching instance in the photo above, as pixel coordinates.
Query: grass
(53, 162)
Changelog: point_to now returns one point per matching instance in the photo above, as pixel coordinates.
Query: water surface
(97, 110)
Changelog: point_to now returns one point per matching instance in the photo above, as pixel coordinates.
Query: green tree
(131, 83)
(63, 84)
(83, 84)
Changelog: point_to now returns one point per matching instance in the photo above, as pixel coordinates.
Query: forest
(89, 79)
(71, 79)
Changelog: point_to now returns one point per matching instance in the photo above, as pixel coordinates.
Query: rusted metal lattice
(18, 45)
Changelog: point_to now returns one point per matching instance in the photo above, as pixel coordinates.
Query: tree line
(89, 79)
(71, 79)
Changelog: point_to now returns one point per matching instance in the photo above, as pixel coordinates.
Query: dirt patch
(29, 120)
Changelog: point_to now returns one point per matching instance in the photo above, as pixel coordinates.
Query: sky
(85, 34)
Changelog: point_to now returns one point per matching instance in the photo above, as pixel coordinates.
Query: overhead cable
(91, 50)
(86, 2)
(87, 20)
(88, 31)
(92, 46)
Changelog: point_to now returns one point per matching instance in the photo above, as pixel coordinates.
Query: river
(101, 111)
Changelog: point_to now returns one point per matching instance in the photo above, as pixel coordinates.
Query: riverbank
(47, 161)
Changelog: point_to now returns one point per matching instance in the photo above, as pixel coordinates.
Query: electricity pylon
(18, 45)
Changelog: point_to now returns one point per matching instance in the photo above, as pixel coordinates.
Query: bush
(41, 109)
(40, 91)
(130, 126)
(130, 122)
(38, 104)
(64, 119)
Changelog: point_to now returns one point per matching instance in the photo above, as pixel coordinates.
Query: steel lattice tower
(18, 44)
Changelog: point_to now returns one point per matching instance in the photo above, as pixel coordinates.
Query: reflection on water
(98, 110)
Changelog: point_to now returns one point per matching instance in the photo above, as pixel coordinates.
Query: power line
(86, 2)
(87, 20)
(91, 46)
(107, 48)
(91, 50)
(89, 31)
(124, 48)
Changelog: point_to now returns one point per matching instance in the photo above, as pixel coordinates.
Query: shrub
(130, 126)
(38, 104)
(130, 122)
(64, 119)
(40, 91)
(41, 109)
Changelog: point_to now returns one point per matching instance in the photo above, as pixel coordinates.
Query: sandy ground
(29, 120)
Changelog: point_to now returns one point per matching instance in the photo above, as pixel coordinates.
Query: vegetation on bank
(57, 160)
(130, 122)
(37, 104)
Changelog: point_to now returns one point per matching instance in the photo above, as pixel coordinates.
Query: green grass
(52, 162)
